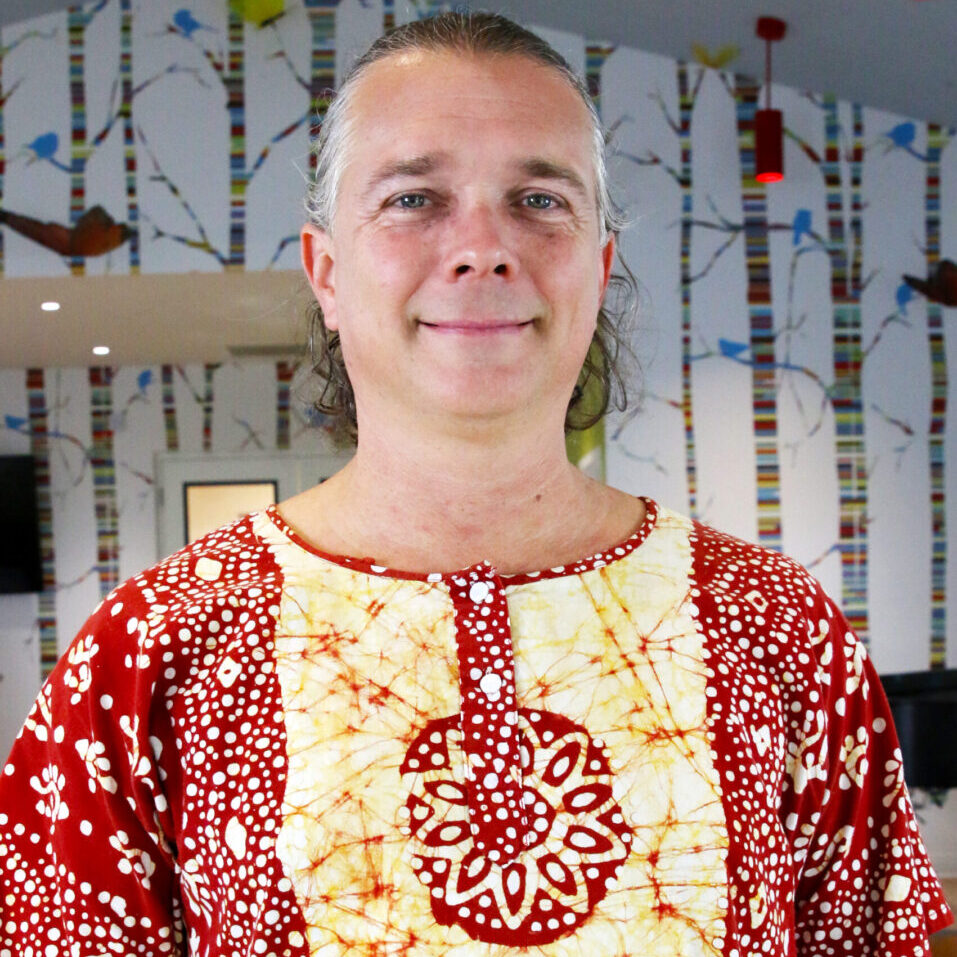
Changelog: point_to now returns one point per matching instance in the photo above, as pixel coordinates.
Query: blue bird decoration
(801, 226)
(902, 137)
(903, 134)
(186, 23)
(16, 423)
(44, 147)
(731, 349)
(904, 295)
(144, 379)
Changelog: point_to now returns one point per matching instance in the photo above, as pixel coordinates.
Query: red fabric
(831, 824)
(141, 806)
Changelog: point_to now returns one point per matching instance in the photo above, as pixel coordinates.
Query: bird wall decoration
(940, 286)
(716, 59)
(94, 233)
(261, 13)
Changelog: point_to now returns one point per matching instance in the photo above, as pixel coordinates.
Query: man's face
(464, 267)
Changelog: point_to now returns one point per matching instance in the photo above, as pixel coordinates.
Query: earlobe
(319, 265)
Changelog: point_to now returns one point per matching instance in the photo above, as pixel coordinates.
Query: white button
(479, 591)
(491, 683)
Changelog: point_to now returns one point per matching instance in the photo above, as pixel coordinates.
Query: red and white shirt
(673, 748)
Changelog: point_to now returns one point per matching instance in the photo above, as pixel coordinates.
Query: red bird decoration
(93, 234)
(940, 286)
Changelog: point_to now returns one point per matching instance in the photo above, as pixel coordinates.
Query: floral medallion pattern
(577, 837)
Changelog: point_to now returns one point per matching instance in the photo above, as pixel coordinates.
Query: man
(459, 699)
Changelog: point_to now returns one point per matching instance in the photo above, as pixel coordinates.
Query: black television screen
(924, 705)
(20, 565)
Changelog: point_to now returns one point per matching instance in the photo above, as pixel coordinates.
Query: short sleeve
(86, 859)
(865, 884)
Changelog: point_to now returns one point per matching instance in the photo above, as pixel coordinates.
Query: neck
(440, 501)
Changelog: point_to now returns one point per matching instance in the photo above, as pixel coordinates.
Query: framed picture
(196, 493)
(207, 505)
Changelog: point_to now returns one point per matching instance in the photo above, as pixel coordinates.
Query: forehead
(518, 99)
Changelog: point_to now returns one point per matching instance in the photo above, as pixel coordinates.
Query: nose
(480, 246)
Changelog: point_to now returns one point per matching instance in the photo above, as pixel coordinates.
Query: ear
(607, 261)
(318, 261)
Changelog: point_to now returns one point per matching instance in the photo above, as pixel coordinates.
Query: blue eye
(411, 201)
(540, 201)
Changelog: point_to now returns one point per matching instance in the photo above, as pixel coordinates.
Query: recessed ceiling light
(49, 306)
(101, 350)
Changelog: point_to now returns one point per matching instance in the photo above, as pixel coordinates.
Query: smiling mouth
(478, 328)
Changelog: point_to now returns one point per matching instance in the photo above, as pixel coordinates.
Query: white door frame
(292, 472)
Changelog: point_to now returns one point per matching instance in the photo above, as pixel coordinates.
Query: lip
(478, 328)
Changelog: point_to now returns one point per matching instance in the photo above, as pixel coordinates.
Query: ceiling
(890, 54)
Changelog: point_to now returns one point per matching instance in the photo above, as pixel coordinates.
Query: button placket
(489, 716)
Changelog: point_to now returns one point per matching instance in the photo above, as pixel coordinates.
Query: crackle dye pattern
(672, 748)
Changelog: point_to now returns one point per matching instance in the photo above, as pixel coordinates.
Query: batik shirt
(672, 748)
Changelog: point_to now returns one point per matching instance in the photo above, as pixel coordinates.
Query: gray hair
(475, 34)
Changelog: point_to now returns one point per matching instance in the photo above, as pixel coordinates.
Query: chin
(487, 404)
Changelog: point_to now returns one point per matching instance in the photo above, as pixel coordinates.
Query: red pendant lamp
(768, 123)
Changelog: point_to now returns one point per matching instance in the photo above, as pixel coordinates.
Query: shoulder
(758, 598)
(733, 565)
(730, 565)
(158, 619)
(229, 560)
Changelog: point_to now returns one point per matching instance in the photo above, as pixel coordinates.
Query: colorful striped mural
(104, 478)
(761, 343)
(78, 19)
(170, 430)
(937, 140)
(285, 370)
(209, 374)
(4, 95)
(40, 450)
(129, 139)
(322, 67)
(687, 95)
(231, 74)
(842, 174)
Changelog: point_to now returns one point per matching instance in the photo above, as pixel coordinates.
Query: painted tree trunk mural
(841, 168)
(845, 249)
(209, 374)
(285, 370)
(104, 478)
(687, 95)
(129, 135)
(170, 430)
(937, 140)
(761, 321)
(40, 450)
(3, 146)
(232, 74)
(322, 75)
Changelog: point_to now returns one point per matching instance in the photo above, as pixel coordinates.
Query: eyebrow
(538, 167)
(545, 169)
(411, 166)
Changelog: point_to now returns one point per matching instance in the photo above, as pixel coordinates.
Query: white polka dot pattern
(489, 716)
(828, 857)
(160, 745)
(675, 747)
